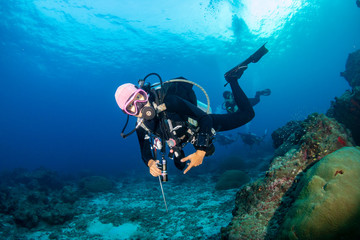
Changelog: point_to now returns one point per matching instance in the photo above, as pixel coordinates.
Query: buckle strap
(203, 140)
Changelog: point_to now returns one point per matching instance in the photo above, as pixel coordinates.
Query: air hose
(190, 82)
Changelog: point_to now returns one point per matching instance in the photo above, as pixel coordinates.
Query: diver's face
(133, 106)
(136, 102)
(140, 115)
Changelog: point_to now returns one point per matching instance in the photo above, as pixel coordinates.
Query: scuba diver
(226, 139)
(251, 138)
(230, 105)
(248, 138)
(169, 116)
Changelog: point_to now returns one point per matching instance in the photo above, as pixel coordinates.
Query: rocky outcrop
(257, 212)
(287, 137)
(352, 69)
(346, 109)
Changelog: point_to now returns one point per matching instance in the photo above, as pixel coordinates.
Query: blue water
(61, 62)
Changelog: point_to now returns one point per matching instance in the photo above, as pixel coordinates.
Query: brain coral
(328, 200)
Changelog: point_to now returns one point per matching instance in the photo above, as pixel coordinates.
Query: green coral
(328, 200)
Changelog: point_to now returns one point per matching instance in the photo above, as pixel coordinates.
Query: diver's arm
(145, 147)
(146, 153)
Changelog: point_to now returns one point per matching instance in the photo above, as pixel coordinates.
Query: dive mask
(136, 102)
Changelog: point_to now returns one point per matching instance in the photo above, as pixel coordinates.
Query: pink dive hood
(123, 93)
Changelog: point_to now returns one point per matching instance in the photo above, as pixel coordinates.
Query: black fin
(259, 54)
(237, 71)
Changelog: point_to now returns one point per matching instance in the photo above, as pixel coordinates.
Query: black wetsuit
(178, 110)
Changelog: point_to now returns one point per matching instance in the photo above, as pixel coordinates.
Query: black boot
(235, 73)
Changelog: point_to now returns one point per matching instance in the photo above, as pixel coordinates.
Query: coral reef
(346, 110)
(329, 195)
(34, 197)
(40, 179)
(255, 215)
(287, 137)
(232, 179)
(134, 209)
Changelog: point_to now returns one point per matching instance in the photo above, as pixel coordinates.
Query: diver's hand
(154, 170)
(195, 159)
